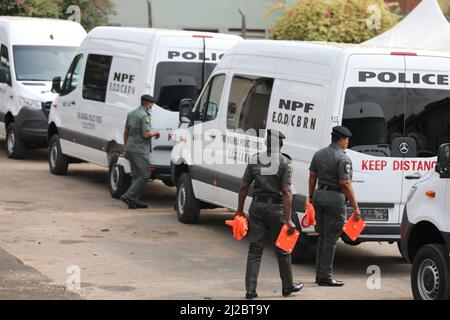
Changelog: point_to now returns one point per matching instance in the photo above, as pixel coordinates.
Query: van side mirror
(443, 161)
(186, 106)
(56, 85)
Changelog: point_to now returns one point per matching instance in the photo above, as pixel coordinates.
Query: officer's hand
(156, 135)
(292, 228)
(125, 154)
(357, 215)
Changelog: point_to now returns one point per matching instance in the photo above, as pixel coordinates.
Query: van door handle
(73, 103)
(213, 136)
(414, 176)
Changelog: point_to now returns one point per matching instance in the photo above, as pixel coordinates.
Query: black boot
(296, 287)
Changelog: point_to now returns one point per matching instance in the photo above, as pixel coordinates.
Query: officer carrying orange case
(354, 228)
(285, 241)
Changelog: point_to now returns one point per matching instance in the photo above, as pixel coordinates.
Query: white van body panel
(135, 55)
(318, 79)
(29, 33)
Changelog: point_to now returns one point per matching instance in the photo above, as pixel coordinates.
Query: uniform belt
(268, 200)
(330, 188)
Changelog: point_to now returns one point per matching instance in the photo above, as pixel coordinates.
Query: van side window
(73, 75)
(5, 75)
(96, 77)
(375, 116)
(248, 103)
(209, 102)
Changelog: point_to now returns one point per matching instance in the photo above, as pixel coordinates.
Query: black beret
(275, 133)
(148, 98)
(341, 132)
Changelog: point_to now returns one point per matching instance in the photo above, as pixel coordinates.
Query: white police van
(32, 52)
(425, 232)
(396, 103)
(111, 70)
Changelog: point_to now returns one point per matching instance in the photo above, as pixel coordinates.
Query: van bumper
(162, 173)
(32, 127)
(377, 232)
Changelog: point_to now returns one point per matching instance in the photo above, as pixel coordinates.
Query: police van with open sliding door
(111, 70)
(32, 52)
(397, 104)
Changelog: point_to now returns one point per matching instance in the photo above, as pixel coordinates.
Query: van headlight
(30, 103)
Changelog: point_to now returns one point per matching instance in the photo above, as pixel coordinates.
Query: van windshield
(178, 80)
(377, 116)
(41, 63)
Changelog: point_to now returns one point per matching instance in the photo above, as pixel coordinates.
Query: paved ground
(58, 224)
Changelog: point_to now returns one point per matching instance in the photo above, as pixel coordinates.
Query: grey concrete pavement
(21, 282)
(52, 223)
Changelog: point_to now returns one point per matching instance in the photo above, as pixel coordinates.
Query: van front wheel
(15, 148)
(187, 206)
(119, 181)
(58, 162)
(430, 273)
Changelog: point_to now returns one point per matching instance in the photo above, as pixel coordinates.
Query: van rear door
(427, 114)
(374, 108)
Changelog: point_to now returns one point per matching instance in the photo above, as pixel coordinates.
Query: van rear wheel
(15, 148)
(58, 162)
(187, 206)
(119, 181)
(430, 273)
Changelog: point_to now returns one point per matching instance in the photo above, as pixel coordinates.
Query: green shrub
(344, 21)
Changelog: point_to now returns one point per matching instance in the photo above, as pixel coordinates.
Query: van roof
(325, 53)
(16, 30)
(145, 35)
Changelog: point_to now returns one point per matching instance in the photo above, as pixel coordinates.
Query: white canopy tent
(425, 28)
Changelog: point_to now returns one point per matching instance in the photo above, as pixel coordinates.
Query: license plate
(371, 214)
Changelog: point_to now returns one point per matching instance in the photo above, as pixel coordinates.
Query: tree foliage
(345, 21)
(92, 12)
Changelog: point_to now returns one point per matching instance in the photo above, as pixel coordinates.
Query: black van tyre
(118, 180)
(57, 161)
(15, 148)
(430, 273)
(304, 250)
(187, 206)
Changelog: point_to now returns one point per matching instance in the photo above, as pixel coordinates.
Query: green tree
(92, 12)
(30, 8)
(345, 21)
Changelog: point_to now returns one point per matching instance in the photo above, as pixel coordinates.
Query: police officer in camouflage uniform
(270, 209)
(137, 137)
(332, 169)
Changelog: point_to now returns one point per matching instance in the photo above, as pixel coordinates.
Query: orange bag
(285, 241)
(354, 228)
(309, 219)
(239, 225)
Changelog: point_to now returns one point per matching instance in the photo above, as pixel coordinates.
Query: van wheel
(430, 273)
(119, 181)
(187, 206)
(58, 162)
(304, 250)
(15, 148)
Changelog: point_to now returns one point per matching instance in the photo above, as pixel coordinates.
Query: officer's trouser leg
(319, 229)
(140, 171)
(333, 223)
(256, 233)
(276, 222)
